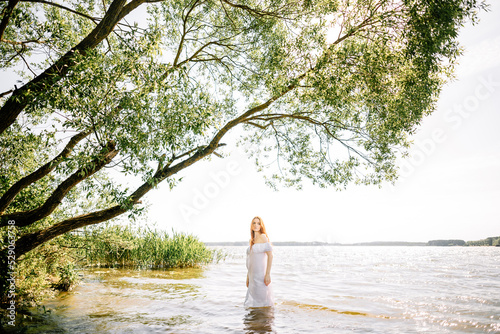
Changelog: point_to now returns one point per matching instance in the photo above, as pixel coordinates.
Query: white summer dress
(258, 294)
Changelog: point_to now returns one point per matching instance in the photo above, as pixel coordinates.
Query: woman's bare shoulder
(262, 238)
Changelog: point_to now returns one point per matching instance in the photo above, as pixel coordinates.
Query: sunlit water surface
(317, 290)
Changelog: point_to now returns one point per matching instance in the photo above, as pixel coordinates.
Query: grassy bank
(114, 246)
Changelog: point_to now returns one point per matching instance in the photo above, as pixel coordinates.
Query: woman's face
(256, 225)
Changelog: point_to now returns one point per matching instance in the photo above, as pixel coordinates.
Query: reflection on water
(120, 301)
(329, 309)
(259, 320)
(175, 274)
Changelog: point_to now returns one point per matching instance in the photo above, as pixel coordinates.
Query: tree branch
(214, 143)
(62, 7)
(256, 12)
(21, 43)
(6, 16)
(32, 240)
(262, 127)
(130, 7)
(16, 188)
(324, 125)
(27, 218)
(184, 32)
(28, 92)
(6, 92)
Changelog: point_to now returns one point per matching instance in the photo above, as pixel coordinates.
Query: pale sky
(449, 188)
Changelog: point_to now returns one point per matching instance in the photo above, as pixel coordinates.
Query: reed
(123, 246)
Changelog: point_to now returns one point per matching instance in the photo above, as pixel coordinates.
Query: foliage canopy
(327, 90)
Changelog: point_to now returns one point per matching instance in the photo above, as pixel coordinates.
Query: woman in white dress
(259, 261)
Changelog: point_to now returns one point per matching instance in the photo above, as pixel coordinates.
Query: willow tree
(328, 90)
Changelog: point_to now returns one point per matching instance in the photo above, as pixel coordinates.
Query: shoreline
(489, 242)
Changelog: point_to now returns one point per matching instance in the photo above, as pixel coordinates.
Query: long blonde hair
(262, 230)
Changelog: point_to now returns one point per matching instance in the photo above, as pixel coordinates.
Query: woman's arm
(267, 278)
(249, 245)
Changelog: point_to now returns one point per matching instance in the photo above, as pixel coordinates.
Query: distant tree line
(446, 243)
(492, 241)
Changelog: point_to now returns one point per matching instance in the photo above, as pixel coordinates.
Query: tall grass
(117, 245)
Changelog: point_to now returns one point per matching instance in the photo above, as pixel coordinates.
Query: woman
(259, 261)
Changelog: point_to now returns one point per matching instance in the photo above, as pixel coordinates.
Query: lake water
(336, 289)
